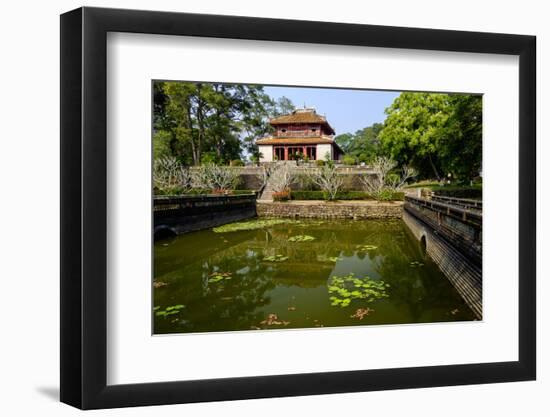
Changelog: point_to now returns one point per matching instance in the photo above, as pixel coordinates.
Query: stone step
(267, 193)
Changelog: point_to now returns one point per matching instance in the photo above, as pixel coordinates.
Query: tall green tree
(436, 133)
(461, 152)
(209, 122)
(363, 145)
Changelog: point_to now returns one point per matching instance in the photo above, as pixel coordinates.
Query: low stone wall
(182, 214)
(461, 271)
(249, 178)
(338, 210)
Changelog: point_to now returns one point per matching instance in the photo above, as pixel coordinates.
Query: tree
(344, 140)
(328, 179)
(413, 129)
(283, 105)
(169, 176)
(281, 177)
(384, 182)
(381, 167)
(461, 150)
(218, 179)
(263, 109)
(209, 122)
(363, 145)
(435, 133)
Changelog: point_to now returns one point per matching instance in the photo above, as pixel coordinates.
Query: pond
(299, 274)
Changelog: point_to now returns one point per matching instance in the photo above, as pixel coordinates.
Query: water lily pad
(249, 225)
(168, 311)
(350, 287)
(301, 238)
(219, 276)
(276, 258)
(366, 248)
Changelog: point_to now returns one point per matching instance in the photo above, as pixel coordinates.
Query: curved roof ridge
(304, 115)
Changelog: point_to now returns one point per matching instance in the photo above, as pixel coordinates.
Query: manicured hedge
(343, 195)
(176, 191)
(474, 191)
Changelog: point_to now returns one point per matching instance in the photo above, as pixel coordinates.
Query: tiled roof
(294, 141)
(301, 116)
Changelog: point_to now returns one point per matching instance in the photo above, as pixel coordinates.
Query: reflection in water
(225, 283)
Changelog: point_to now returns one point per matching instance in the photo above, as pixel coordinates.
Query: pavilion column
(286, 153)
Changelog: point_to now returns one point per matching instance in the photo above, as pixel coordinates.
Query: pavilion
(302, 133)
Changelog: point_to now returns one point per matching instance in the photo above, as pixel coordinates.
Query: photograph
(290, 207)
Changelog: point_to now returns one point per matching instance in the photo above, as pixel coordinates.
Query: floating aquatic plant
(249, 225)
(301, 238)
(273, 320)
(361, 312)
(159, 284)
(366, 248)
(168, 311)
(416, 264)
(275, 258)
(219, 276)
(310, 223)
(349, 287)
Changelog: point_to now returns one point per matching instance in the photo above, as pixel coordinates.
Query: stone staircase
(267, 193)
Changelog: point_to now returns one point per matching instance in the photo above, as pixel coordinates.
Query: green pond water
(299, 274)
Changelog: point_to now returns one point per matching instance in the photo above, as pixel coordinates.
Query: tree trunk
(196, 158)
(434, 168)
(200, 120)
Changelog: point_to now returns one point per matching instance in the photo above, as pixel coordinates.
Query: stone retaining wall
(182, 214)
(249, 178)
(463, 273)
(323, 210)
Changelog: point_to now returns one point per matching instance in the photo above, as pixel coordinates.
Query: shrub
(203, 191)
(281, 177)
(281, 195)
(216, 178)
(472, 191)
(305, 182)
(236, 163)
(398, 196)
(321, 195)
(319, 162)
(384, 194)
(329, 180)
(384, 179)
(347, 195)
(349, 160)
(170, 177)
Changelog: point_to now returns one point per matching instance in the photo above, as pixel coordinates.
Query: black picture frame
(84, 207)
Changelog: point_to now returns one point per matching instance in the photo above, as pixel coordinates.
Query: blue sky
(345, 110)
